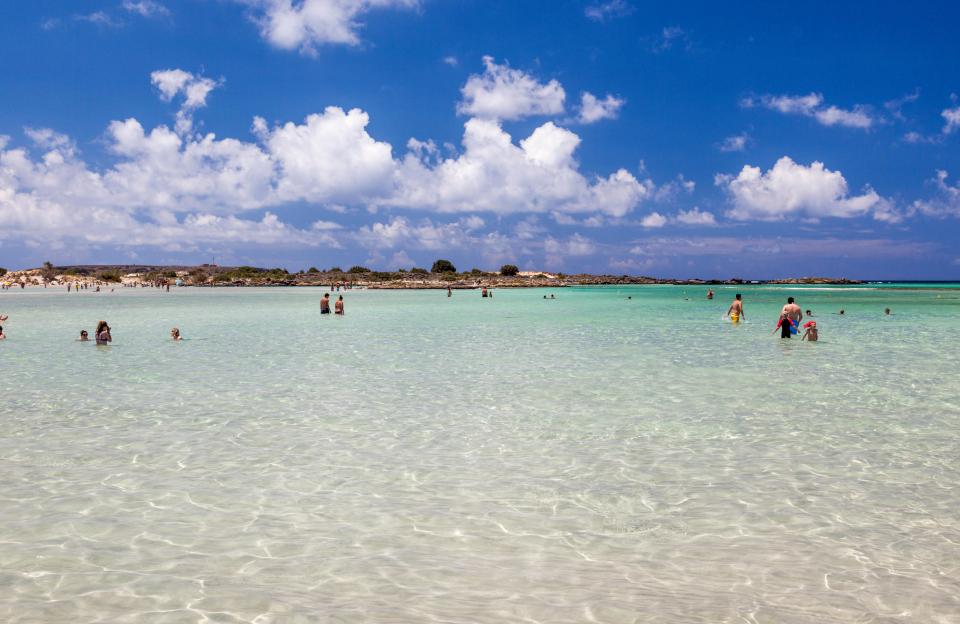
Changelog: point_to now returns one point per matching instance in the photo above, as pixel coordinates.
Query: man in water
(735, 312)
(325, 304)
(339, 305)
(793, 311)
(710, 294)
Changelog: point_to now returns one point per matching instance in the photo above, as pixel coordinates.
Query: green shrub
(312, 270)
(109, 275)
(418, 271)
(3, 271)
(509, 270)
(335, 270)
(356, 269)
(443, 266)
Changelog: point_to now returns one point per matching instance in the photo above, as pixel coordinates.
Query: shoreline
(212, 276)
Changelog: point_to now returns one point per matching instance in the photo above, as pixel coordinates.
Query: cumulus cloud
(330, 158)
(504, 93)
(305, 24)
(146, 8)
(695, 216)
(593, 110)
(194, 89)
(495, 175)
(735, 143)
(812, 105)
(603, 11)
(160, 182)
(653, 220)
(793, 190)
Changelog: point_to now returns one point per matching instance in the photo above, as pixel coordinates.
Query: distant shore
(208, 275)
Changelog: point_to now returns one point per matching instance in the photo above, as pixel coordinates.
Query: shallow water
(425, 459)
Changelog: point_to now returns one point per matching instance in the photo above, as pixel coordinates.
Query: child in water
(784, 325)
(84, 337)
(811, 334)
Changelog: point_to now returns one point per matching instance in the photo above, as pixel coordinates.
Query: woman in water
(103, 333)
(83, 336)
(338, 306)
(175, 334)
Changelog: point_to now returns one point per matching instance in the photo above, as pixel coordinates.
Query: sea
(614, 454)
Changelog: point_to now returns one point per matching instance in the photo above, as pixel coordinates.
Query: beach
(435, 459)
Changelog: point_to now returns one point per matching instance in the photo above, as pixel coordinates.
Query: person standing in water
(710, 294)
(793, 311)
(103, 333)
(325, 303)
(735, 312)
(449, 292)
(338, 306)
(811, 334)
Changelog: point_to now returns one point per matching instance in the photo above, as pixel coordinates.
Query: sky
(688, 139)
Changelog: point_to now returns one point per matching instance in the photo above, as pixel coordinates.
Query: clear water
(424, 459)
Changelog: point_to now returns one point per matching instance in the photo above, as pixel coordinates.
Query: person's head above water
(737, 296)
(886, 311)
(808, 312)
(175, 332)
(789, 299)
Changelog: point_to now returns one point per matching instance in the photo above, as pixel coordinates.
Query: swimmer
(710, 294)
(339, 306)
(483, 292)
(175, 334)
(811, 334)
(809, 314)
(3, 317)
(629, 297)
(325, 303)
(735, 311)
(3, 336)
(784, 325)
(553, 296)
(103, 333)
(842, 312)
(83, 336)
(887, 311)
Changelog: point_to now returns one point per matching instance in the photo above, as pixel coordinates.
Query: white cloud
(790, 189)
(945, 204)
(952, 118)
(194, 89)
(495, 175)
(576, 245)
(669, 192)
(603, 11)
(146, 8)
(735, 143)
(653, 220)
(305, 24)
(452, 61)
(505, 93)
(330, 158)
(593, 110)
(812, 105)
(829, 247)
(695, 216)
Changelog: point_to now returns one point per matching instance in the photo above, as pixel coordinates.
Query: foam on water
(424, 459)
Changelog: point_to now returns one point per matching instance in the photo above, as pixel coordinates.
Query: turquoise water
(425, 459)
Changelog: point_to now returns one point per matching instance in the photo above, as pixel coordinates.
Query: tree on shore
(443, 266)
(358, 269)
(48, 271)
(509, 270)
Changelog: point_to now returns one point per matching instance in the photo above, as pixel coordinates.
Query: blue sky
(675, 140)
